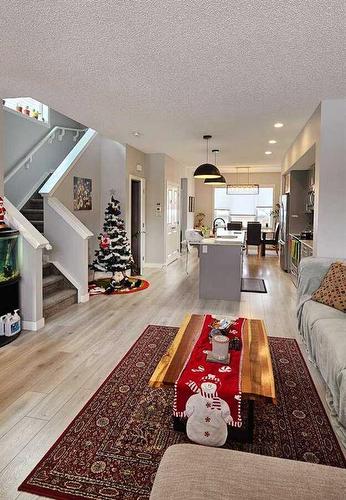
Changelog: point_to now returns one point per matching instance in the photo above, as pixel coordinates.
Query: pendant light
(220, 181)
(244, 188)
(207, 170)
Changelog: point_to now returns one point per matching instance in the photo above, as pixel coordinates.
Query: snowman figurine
(208, 415)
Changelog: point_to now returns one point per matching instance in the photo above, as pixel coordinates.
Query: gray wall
(21, 135)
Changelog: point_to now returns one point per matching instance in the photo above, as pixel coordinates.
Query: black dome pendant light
(207, 170)
(220, 181)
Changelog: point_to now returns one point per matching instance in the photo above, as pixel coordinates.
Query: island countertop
(224, 237)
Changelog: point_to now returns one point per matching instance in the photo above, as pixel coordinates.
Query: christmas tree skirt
(129, 285)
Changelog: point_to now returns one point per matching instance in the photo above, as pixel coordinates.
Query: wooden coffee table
(257, 379)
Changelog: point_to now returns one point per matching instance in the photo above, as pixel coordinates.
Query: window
(29, 107)
(245, 207)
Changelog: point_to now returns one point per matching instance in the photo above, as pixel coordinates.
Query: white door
(173, 226)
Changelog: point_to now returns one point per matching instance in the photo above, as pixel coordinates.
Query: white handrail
(68, 217)
(29, 232)
(49, 188)
(38, 146)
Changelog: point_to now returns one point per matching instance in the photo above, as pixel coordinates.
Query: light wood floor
(47, 376)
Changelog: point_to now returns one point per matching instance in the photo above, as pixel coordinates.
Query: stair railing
(32, 244)
(33, 181)
(66, 233)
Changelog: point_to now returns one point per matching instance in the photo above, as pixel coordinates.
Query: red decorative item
(2, 215)
(105, 241)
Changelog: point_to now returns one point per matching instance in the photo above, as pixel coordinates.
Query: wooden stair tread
(51, 278)
(58, 296)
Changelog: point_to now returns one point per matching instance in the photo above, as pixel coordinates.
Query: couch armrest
(192, 472)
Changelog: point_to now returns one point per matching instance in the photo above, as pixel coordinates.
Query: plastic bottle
(15, 323)
(2, 325)
(7, 322)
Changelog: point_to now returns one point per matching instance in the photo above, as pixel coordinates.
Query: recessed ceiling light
(278, 125)
(272, 141)
(136, 134)
(267, 152)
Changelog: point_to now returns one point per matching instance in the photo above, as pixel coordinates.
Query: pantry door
(173, 225)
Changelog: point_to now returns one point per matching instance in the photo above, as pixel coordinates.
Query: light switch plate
(204, 248)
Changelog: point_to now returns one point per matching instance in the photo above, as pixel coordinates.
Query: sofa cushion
(192, 472)
(328, 346)
(332, 291)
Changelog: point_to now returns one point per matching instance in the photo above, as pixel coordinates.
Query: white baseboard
(84, 298)
(33, 326)
(154, 265)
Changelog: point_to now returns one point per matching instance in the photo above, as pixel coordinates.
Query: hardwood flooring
(46, 377)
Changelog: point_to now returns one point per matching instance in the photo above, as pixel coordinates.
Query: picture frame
(82, 193)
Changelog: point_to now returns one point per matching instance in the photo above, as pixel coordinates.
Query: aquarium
(9, 267)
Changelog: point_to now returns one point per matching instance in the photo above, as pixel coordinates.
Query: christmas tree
(114, 254)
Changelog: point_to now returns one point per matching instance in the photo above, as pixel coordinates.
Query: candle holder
(220, 350)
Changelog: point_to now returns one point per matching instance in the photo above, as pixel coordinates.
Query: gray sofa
(193, 472)
(323, 330)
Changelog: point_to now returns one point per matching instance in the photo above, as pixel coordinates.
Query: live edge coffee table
(257, 379)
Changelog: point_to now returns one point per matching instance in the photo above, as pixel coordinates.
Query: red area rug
(97, 287)
(113, 447)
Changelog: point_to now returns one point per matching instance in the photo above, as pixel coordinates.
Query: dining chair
(275, 241)
(253, 236)
(234, 226)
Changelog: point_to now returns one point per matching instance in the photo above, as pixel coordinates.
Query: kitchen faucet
(214, 223)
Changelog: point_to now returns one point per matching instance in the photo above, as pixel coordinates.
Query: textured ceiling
(175, 70)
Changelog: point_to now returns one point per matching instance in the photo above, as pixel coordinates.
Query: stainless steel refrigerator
(284, 231)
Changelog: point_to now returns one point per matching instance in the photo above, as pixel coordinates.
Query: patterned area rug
(112, 449)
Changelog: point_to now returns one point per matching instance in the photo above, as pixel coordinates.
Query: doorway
(173, 224)
(137, 223)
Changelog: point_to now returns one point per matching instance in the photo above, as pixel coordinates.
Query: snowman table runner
(209, 394)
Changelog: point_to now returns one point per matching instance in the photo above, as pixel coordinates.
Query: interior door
(173, 225)
(136, 225)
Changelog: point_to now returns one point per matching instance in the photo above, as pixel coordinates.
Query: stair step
(38, 224)
(51, 283)
(34, 203)
(58, 301)
(33, 214)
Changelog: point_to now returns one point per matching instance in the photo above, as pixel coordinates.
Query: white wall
(205, 194)
(330, 210)
(323, 141)
(2, 156)
(112, 174)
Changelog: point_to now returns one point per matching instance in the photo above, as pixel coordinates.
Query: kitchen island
(220, 266)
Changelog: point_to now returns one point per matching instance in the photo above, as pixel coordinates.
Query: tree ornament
(105, 241)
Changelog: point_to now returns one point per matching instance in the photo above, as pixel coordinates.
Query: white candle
(220, 345)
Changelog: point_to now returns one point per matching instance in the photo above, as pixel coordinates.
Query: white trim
(60, 267)
(141, 180)
(33, 190)
(26, 229)
(33, 151)
(69, 218)
(67, 164)
(33, 326)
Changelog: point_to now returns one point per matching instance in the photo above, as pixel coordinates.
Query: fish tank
(9, 264)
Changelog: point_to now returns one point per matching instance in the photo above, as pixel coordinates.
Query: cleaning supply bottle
(15, 323)
(7, 329)
(2, 325)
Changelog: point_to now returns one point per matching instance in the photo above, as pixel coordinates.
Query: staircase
(33, 211)
(58, 293)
